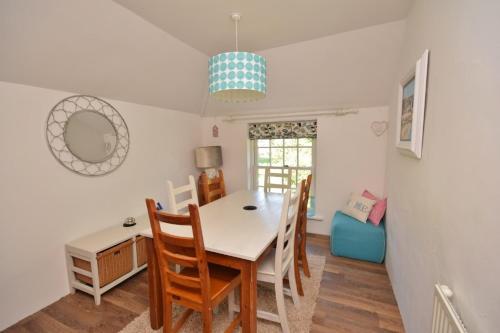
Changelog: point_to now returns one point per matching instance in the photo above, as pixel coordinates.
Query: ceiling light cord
(236, 33)
(236, 17)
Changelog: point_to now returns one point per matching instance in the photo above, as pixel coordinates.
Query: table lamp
(209, 158)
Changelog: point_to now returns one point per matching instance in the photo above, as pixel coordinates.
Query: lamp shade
(237, 77)
(208, 157)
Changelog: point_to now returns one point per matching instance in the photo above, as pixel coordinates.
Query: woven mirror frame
(57, 122)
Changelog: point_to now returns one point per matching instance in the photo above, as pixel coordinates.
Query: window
(284, 144)
(298, 154)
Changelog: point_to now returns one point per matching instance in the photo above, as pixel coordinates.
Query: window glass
(305, 142)
(260, 177)
(263, 157)
(294, 178)
(291, 156)
(277, 157)
(263, 143)
(305, 157)
(302, 174)
(294, 153)
(276, 142)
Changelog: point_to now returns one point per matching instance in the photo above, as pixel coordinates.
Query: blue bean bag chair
(354, 239)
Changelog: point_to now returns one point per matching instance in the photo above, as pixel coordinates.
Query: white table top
(228, 229)
(104, 239)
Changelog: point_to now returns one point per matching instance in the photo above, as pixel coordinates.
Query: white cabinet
(99, 261)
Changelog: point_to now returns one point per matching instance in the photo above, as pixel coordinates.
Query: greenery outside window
(296, 153)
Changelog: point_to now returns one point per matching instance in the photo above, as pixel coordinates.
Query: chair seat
(222, 280)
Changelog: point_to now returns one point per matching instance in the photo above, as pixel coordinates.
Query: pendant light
(237, 76)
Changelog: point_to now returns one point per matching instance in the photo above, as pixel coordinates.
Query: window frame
(254, 162)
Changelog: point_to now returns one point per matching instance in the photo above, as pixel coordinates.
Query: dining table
(235, 235)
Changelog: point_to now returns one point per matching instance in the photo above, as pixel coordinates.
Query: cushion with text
(359, 207)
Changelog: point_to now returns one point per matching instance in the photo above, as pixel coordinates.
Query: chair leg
(303, 257)
(280, 301)
(296, 270)
(167, 314)
(185, 315)
(207, 320)
(293, 285)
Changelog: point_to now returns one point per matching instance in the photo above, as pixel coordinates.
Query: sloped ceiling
(102, 48)
(98, 47)
(207, 26)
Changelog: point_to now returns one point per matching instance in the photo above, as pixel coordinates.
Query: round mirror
(87, 135)
(90, 136)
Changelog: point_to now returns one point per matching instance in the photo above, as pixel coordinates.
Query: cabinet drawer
(112, 263)
(140, 245)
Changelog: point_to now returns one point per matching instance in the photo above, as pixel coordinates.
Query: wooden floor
(355, 297)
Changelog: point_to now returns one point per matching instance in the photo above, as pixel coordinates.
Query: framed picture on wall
(411, 108)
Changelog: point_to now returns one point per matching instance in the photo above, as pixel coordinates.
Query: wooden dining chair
(197, 286)
(283, 173)
(300, 255)
(279, 262)
(212, 188)
(177, 207)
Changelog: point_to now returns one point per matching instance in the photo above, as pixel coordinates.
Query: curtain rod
(336, 112)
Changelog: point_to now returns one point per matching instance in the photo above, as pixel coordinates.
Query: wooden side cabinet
(99, 261)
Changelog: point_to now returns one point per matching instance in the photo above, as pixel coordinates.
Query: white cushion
(359, 207)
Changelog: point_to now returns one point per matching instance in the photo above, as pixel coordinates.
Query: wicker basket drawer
(112, 264)
(140, 245)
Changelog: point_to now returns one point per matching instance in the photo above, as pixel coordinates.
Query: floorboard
(355, 296)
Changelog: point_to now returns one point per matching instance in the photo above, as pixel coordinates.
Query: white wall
(99, 48)
(443, 225)
(44, 205)
(349, 158)
(350, 69)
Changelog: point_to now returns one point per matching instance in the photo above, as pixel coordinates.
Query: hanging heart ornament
(379, 127)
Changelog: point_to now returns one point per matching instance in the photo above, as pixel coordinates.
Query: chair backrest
(285, 175)
(178, 207)
(302, 216)
(174, 250)
(286, 232)
(212, 188)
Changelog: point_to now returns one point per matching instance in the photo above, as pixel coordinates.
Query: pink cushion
(378, 209)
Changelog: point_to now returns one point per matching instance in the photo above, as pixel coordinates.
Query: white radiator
(445, 318)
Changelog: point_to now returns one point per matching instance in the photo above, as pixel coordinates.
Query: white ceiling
(102, 48)
(206, 24)
(99, 48)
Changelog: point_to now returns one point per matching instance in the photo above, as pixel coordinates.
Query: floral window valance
(283, 130)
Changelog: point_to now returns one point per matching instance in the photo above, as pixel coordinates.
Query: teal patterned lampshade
(237, 77)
